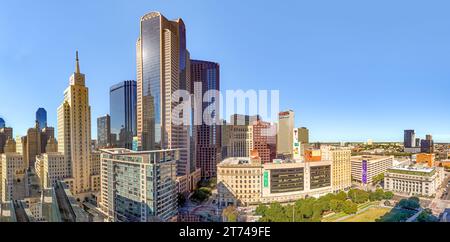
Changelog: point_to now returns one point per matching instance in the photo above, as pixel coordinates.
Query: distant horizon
(347, 73)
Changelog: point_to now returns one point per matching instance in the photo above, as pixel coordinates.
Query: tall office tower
(74, 130)
(242, 119)
(12, 174)
(427, 145)
(303, 135)
(104, 131)
(418, 140)
(138, 186)
(208, 139)
(162, 68)
(264, 140)
(33, 144)
(2, 123)
(41, 118)
(47, 133)
(240, 140)
(122, 108)
(5, 134)
(409, 138)
(285, 136)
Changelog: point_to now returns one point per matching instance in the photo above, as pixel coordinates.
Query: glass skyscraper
(41, 118)
(208, 137)
(122, 109)
(2, 123)
(163, 67)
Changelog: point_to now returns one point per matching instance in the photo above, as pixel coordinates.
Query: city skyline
(345, 93)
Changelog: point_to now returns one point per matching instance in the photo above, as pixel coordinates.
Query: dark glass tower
(122, 108)
(163, 66)
(41, 118)
(409, 138)
(206, 75)
(2, 123)
(104, 131)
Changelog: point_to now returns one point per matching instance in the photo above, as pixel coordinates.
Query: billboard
(266, 179)
(296, 146)
(364, 172)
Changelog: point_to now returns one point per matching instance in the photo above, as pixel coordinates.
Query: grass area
(337, 216)
(370, 215)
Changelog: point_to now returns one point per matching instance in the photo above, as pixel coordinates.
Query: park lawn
(370, 215)
(337, 216)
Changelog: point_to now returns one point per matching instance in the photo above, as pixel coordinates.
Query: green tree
(388, 195)
(231, 214)
(261, 210)
(350, 207)
(341, 196)
(336, 205)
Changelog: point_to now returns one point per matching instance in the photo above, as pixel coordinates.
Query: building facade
(365, 168)
(409, 138)
(41, 118)
(285, 138)
(104, 131)
(74, 131)
(139, 186)
(246, 181)
(12, 174)
(205, 77)
(122, 108)
(303, 135)
(414, 181)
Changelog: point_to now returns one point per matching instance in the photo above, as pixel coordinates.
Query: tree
(410, 203)
(275, 213)
(358, 196)
(341, 196)
(388, 195)
(336, 205)
(261, 210)
(231, 214)
(350, 207)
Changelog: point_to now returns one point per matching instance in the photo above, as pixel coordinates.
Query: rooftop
(413, 170)
(370, 158)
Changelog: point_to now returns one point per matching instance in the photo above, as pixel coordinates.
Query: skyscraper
(41, 118)
(162, 69)
(2, 123)
(427, 145)
(409, 138)
(206, 75)
(104, 131)
(285, 136)
(47, 133)
(74, 130)
(33, 145)
(5, 134)
(303, 135)
(122, 108)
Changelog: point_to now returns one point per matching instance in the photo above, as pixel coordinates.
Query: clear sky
(352, 70)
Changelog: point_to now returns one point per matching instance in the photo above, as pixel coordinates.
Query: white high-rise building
(74, 131)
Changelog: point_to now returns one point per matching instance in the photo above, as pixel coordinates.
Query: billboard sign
(364, 172)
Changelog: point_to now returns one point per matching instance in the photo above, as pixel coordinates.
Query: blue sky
(352, 70)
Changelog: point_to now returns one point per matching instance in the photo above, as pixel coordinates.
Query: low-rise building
(366, 167)
(425, 158)
(246, 181)
(413, 180)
